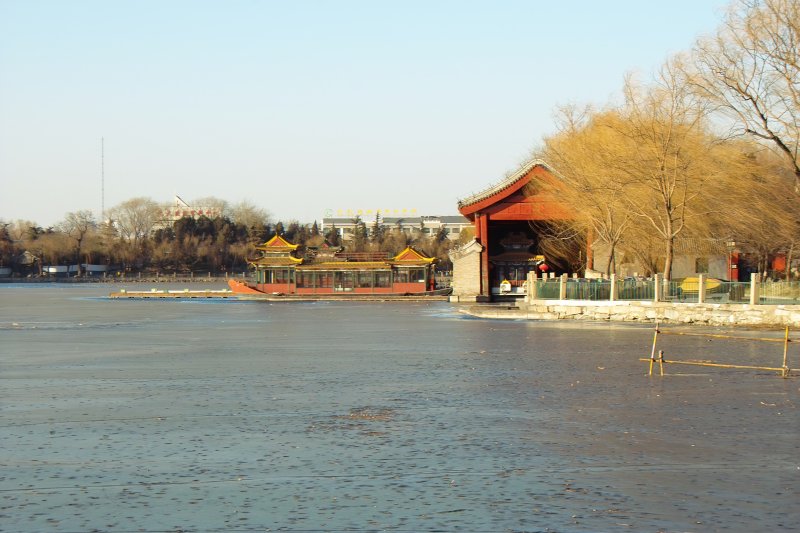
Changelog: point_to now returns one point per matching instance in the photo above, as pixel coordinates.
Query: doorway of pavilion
(519, 247)
(512, 254)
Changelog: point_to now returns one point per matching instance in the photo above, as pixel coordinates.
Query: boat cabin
(279, 270)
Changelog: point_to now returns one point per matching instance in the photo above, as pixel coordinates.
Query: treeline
(706, 150)
(136, 237)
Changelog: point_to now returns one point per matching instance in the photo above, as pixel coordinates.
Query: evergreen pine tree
(378, 230)
(332, 236)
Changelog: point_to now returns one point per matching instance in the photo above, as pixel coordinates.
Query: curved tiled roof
(276, 261)
(347, 265)
(277, 242)
(411, 256)
(503, 184)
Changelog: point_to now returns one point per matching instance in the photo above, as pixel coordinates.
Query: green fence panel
(580, 289)
(779, 292)
(547, 289)
(636, 289)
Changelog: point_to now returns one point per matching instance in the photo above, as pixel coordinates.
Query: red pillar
(733, 266)
(485, 289)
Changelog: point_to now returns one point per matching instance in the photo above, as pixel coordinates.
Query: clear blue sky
(303, 106)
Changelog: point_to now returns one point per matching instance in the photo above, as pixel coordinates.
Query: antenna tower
(102, 180)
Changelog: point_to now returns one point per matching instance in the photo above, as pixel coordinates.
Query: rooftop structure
(427, 225)
(509, 218)
(181, 209)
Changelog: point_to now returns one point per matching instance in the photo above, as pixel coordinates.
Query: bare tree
(76, 226)
(24, 230)
(751, 71)
(645, 172)
(255, 219)
(8, 248)
(213, 202)
(765, 216)
(51, 248)
(586, 180)
(134, 219)
(666, 156)
(249, 214)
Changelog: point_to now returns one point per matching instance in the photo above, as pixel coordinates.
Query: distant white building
(180, 209)
(428, 225)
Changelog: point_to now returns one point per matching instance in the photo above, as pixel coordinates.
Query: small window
(382, 279)
(281, 275)
(343, 280)
(701, 265)
(305, 279)
(324, 280)
(364, 279)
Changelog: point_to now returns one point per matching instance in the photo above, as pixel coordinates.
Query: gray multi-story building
(427, 225)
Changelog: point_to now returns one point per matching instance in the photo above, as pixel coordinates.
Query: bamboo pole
(653, 351)
(734, 337)
(717, 365)
(785, 371)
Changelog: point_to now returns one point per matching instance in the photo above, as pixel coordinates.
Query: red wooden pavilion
(508, 218)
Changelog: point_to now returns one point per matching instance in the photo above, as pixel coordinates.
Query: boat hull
(241, 287)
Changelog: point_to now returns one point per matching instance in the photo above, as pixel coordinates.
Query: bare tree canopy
(134, 219)
(77, 225)
(577, 156)
(751, 71)
(249, 215)
(24, 229)
(213, 202)
(644, 169)
(765, 216)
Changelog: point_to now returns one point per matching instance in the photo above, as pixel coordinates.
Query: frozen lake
(202, 415)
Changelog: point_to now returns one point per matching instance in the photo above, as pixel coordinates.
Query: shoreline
(160, 279)
(772, 316)
(762, 316)
(155, 294)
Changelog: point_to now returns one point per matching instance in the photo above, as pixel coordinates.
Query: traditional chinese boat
(279, 272)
